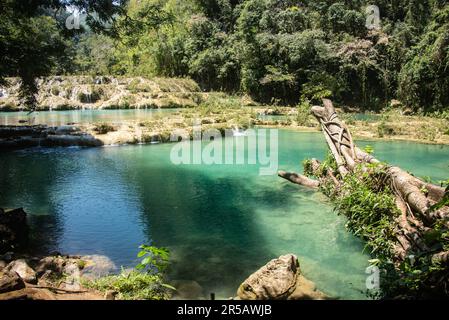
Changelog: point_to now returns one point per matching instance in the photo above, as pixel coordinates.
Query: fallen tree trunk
(299, 179)
(414, 198)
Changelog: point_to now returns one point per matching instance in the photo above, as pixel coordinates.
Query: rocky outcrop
(24, 271)
(13, 229)
(84, 92)
(20, 137)
(52, 277)
(280, 279)
(10, 281)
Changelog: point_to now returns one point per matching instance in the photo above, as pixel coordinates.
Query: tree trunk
(414, 197)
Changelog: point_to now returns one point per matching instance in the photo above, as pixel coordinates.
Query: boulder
(53, 264)
(274, 281)
(306, 290)
(23, 270)
(10, 281)
(97, 266)
(280, 279)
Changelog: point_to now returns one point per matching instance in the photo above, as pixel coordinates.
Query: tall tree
(32, 38)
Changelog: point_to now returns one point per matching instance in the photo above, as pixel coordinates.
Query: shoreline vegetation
(402, 219)
(214, 110)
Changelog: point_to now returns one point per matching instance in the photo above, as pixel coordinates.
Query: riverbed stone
(10, 281)
(187, 290)
(23, 270)
(13, 229)
(274, 281)
(97, 266)
(306, 290)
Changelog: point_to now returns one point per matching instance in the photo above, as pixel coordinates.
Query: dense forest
(277, 51)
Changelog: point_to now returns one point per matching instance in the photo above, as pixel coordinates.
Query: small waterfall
(74, 94)
(88, 96)
(40, 139)
(3, 93)
(138, 131)
(155, 140)
(237, 132)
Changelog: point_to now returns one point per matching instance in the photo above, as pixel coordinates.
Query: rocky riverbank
(65, 277)
(37, 277)
(53, 277)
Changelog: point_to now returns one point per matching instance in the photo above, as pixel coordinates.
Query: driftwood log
(414, 197)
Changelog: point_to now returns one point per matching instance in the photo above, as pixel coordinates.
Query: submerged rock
(280, 279)
(13, 229)
(187, 290)
(306, 290)
(97, 266)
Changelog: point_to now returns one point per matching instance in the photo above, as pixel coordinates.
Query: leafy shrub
(133, 285)
(144, 283)
(304, 114)
(154, 260)
(368, 203)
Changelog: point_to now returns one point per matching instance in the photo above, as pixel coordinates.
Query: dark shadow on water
(209, 225)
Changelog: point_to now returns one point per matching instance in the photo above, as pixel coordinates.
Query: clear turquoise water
(56, 118)
(220, 222)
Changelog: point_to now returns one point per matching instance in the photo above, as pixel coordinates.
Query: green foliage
(133, 285)
(35, 43)
(144, 283)
(94, 54)
(443, 202)
(369, 207)
(278, 51)
(367, 202)
(155, 260)
(424, 79)
(369, 149)
(304, 114)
